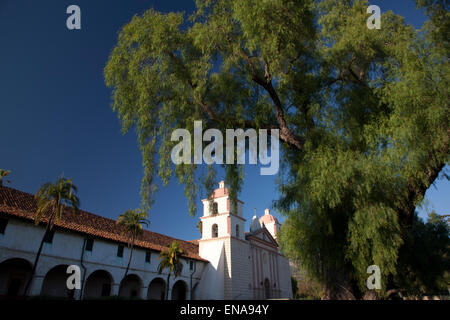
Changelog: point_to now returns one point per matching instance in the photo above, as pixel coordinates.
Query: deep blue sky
(55, 114)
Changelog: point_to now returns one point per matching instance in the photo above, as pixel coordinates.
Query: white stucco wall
(22, 239)
(211, 286)
(241, 223)
(241, 269)
(222, 224)
(222, 205)
(285, 277)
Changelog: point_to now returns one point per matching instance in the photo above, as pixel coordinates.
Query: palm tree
(3, 174)
(52, 199)
(171, 259)
(132, 220)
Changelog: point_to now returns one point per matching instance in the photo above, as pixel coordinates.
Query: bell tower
(224, 245)
(218, 221)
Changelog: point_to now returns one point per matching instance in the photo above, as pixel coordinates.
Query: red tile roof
(268, 218)
(21, 204)
(220, 192)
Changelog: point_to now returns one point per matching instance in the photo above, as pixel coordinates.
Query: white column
(36, 285)
(77, 295)
(115, 289)
(169, 295)
(144, 291)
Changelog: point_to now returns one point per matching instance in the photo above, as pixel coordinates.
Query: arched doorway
(267, 288)
(179, 290)
(157, 289)
(55, 285)
(130, 287)
(14, 274)
(98, 284)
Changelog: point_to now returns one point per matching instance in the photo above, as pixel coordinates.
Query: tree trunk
(416, 192)
(433, 164)
(129, 262)
(33, 271)
(339, 292)
(168, 286)
(370, 295)
(339, 285)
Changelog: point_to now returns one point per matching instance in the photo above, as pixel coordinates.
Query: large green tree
(362, 114)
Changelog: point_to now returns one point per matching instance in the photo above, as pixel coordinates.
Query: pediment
(263, 235)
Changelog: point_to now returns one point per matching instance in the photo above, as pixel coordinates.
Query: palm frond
(171, 259)
(53, 198)
(132, 221)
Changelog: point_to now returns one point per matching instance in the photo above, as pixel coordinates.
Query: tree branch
(418, 187)
(286, 134)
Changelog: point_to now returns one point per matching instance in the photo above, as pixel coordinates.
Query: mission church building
(226, 263)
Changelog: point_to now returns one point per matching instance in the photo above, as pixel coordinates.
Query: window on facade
(148, 254)
(215, 231)
(215, 208)
(48, 238)
(191, 265)
(120, 251)
(237, 230)
(3, 223)
(89, 244)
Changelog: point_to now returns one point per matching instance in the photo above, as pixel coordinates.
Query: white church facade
(226, 263)
(241, 265)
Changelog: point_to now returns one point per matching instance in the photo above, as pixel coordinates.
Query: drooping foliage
(363, 115)
(3, 174)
